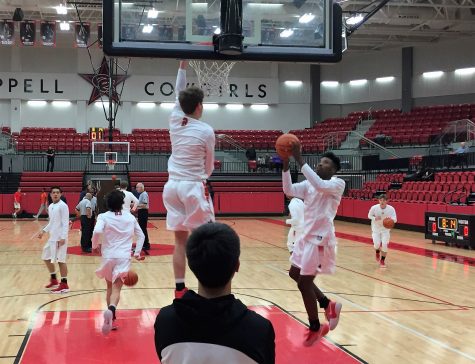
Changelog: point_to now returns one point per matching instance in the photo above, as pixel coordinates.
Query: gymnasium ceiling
(399, 23)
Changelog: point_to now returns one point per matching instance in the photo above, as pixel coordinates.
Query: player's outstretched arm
(180, 78)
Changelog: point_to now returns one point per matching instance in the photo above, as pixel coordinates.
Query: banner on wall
(28, 32)
(99, 35)
(7, 32)
(82, 31)
(48, 33)
(70, 86)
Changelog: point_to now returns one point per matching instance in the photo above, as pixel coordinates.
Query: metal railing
(456, 131)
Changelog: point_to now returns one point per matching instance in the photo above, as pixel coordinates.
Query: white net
(212, 76)
(111, 165)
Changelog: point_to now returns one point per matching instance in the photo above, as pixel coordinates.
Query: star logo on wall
(100, 82)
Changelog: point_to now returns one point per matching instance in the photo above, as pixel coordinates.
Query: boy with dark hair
(185, 194)
(212, 326)
(117, 229)
(315, 251)
(55, 249)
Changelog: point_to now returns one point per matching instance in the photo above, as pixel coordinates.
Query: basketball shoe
(179, 294)
(313, 336)
(382, 264)
(378, 256)
(332, 314)
(62, 288)
(107, 325)
(53, 283)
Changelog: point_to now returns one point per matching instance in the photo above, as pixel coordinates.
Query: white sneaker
(107, 325)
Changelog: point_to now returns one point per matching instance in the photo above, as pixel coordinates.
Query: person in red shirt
(16, 202)
(43, 203)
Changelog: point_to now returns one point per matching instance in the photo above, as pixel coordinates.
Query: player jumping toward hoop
(315, 252)
(117, 229)
(377, 214)
(185, 194)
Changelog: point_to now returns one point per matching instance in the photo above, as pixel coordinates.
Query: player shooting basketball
(315, 251)
(185, 195)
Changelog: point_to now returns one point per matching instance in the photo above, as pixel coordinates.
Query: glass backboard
(273, 30)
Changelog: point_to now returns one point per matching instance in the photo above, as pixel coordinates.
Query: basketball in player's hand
(131, 278)
(388, 223)
(283, 145)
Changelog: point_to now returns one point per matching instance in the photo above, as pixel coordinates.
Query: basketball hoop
(111, 164)
(212, 76)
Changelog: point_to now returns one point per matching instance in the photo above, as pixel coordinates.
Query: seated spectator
(212, 326)
(458, 157)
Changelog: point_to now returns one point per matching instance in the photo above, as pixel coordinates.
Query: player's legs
(63, 285)
(108, 292)
(179, 262)
(377, 244)
(113, 298)
(115, 295)
(385, 235)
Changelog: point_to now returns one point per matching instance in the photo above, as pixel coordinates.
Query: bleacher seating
(229, 197)
(35, 181)
(446, 188)
(330, 131)
(419, 126)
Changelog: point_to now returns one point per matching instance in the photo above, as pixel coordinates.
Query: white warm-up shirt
(128, 200)
(321, 199)
(296, 209)
(376, 211)
(193, 141)
(117, 231)
(58, 226)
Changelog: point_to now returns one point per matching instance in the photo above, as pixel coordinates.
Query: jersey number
(184, 121)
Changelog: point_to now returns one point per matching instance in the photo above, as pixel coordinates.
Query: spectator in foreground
(212, 326)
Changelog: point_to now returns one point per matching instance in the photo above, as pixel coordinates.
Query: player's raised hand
(183, 64)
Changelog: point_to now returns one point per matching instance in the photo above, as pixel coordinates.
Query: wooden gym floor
(421, 309)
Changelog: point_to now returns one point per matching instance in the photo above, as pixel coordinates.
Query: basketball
(283, 145)
(388, 223)
(131, 278)
(114, 177)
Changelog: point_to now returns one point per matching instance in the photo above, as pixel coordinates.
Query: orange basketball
(114, 177)
(131, 278)
(388, 223)
(283, 145)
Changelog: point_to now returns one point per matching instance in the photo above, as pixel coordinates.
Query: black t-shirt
(50, 151)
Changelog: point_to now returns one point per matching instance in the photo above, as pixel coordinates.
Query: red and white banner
(28, 32)
(7, 32)
(82, 31)
(48, 33)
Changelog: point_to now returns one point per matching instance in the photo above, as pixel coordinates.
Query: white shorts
(113, 268)
(53, 253)
(312, 259)
(381, 238)
(16, 205)
(188, 205)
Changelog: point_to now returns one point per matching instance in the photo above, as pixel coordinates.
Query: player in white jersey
(315, 252)
(117, 229)
(377, 214)
(130, 201)
(296, 222)
(55, 249)
(185, 194)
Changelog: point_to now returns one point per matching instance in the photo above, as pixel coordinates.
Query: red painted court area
(75, 337)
